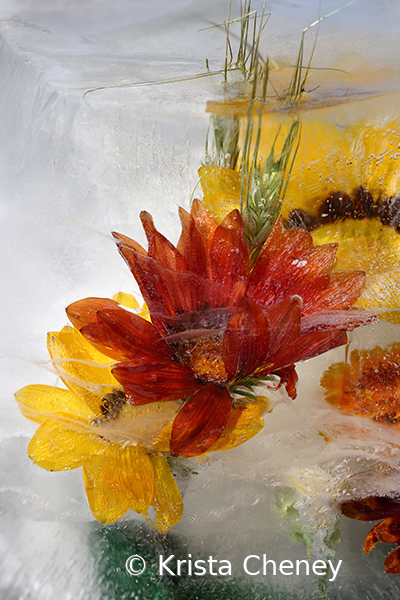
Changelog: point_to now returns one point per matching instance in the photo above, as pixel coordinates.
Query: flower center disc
(204, 356)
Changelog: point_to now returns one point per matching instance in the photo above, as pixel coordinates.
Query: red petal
(84, 311)
(371, 508)
(169, 293)
(289, 265)
(289, 378)
(200, 421)
(192, 247)
(344, 289)
(160, 248)
(156, 381)
(389, 530)
(184, 238)
(161, 288)
(123, 335)
(336, 319)
(370, 541)
(246, 340)
(308, 346)
(385, 531)
(126, 245)
(205, 224)
(230, 259)
(392, 562)
(285, 320)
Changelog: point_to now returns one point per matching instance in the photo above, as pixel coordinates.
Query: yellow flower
(121, 448)
(90, 425)
(343, 187)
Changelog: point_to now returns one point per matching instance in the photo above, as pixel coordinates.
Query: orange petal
(84, 311)
(285, 319)
(336, 319)
(371, 508)
(126, 245)
(289, 378)
(308, 346)
(168, 293)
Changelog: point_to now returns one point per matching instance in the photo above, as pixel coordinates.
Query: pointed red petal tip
(201, 421)
(160, 248)
(82, 312)
(289, 378)
(392, 562)
(147, 221)
(127, 244)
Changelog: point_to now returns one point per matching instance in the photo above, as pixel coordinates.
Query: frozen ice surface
(99, 121)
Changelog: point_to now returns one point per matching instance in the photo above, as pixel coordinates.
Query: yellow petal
(76, 346)
(167, 501)
(126, 300)
(56, 448)
(141, 424)
(245, 422)
(130, 475)
(39, 402)
(364, 245)
(72, 359)
(130, 302)
(145, 313)
(104, 505)
(367, 245)
(221, 189)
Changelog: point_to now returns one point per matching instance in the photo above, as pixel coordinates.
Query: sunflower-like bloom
(90, 425)
(368, 385)
(343, 188)
(388, 530)
(218, 325)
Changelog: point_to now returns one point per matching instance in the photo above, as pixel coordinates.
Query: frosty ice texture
(81, 155)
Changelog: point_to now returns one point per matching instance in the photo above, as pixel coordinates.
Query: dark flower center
(339, 206)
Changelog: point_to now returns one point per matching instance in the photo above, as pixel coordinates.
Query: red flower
(388, 530)
(216, 321)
